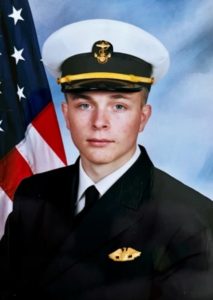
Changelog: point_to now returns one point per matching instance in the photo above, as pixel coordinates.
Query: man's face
(104, 125)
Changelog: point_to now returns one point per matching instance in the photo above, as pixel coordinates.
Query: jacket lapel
(119, 208)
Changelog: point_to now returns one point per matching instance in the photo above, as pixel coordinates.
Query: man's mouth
(99, 142)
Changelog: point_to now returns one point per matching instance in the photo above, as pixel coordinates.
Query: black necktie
(91, 196)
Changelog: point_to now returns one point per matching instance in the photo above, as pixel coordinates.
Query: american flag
(30, 140)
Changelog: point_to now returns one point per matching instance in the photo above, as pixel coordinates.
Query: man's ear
(146, 112)
(64, 108)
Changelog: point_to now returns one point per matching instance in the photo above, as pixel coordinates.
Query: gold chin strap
(105, 75)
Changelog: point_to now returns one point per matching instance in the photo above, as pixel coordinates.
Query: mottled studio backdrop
(179, 136)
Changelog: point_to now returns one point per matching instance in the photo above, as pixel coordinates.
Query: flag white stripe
(39, 156)
(37, 153)
(6, 206)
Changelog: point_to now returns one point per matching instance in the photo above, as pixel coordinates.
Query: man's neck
(98, 171)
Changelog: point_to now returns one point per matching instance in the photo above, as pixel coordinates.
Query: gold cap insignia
(124, 254)
(102, 51)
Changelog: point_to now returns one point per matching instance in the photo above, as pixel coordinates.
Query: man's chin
(99, 157)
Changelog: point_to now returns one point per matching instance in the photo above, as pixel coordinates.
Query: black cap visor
(104, 85)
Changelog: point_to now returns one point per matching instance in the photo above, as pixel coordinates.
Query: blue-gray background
(179, 136)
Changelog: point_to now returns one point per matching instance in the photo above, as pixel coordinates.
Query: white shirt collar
(105, 183)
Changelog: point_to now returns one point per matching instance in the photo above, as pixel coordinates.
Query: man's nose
(100, 119)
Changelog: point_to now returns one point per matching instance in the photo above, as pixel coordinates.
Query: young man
(111, 226)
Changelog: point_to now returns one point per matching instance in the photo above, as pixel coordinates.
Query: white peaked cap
(78, 38)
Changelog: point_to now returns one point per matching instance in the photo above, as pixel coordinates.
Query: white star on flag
(0, 126)
(24, 135)
(16, 15)
(18, 55)
(20, 92)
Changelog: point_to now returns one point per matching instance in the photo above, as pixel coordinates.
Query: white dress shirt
(102, 185)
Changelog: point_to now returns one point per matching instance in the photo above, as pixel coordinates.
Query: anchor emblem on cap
(102, 51)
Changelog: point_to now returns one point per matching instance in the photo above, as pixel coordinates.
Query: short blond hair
(145, 95)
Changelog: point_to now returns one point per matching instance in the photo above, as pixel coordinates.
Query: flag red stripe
(45, 123)
(37, 152)
(13, 168)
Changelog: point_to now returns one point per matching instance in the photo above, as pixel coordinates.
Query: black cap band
(122, 71)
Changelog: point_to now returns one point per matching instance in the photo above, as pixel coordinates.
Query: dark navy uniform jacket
(45, 254)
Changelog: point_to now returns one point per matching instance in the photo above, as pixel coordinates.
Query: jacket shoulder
(46, 181)
(180, 202)
(178, 189)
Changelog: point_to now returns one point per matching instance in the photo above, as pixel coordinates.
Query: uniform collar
(105, 183)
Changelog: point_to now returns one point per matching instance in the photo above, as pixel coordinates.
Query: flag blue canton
(24, 89)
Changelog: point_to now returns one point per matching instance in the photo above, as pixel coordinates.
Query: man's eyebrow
(82, 96)
(119, 96)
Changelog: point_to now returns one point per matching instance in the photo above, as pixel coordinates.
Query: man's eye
(120, 107)
(84, 106)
